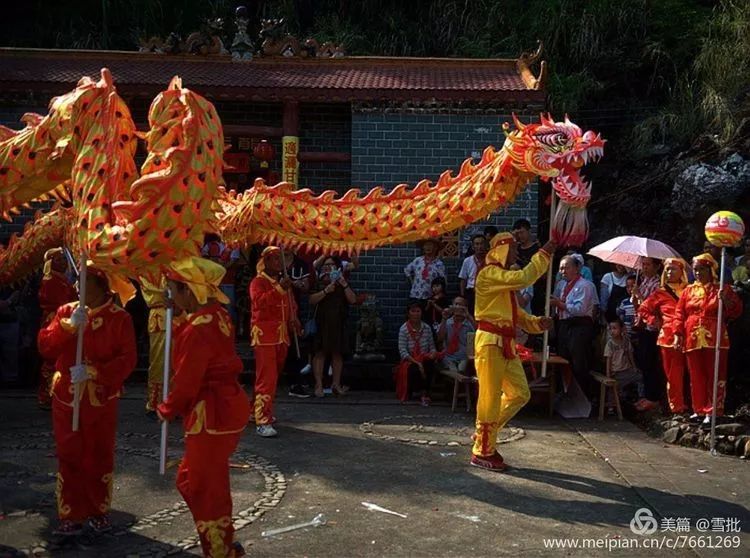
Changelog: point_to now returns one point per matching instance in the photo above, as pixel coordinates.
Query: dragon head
(555, 151)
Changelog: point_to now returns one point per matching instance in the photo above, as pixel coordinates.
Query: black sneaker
(299, 391)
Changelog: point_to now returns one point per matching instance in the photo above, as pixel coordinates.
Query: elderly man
(274, 316)
(576, 302)
(503, 389)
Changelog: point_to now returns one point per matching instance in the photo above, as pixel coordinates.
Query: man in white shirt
(576, 302)
(470, 268)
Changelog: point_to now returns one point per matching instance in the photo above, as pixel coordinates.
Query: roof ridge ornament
(526, 61)
(277, 42)
(242, 45)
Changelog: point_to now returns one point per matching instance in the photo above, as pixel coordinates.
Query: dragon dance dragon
(82, 155)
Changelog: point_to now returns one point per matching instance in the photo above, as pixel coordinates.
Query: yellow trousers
(503, 390)
(156, 340)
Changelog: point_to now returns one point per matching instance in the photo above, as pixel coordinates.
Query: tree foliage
(686, 58)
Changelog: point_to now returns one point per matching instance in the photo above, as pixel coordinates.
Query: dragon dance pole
(289, 293)
(165, 387)
(717, 350)
(79, 346)
(548, 293)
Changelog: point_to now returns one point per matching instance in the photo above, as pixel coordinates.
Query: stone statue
(369, 332)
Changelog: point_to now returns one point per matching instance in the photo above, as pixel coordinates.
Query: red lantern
(264, 152)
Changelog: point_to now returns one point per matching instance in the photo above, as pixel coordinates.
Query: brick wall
(389, 148)
(325, 127)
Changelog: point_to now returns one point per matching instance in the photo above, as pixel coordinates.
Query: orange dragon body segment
(122, 222)
(25, 254)
(173, 203)
(551, 150)
(138, 225)
(34, 161)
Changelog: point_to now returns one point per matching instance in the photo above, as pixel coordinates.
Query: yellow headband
(201, 276)
(707, 259)
(116, 283)
(499, 248)
(267, 251)
(49, 255)
(679, 262)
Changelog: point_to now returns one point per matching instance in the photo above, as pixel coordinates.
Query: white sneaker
(306, 369)
(266, 430)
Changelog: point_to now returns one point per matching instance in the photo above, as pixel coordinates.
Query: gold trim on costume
(63, 509)
(215, 533)
(107, 479)
(203, 319)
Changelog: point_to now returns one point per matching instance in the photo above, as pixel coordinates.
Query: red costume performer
(206, 392)
(86, 457)
(54, 291)
(274, 311)
(658, 310)
(696, 320)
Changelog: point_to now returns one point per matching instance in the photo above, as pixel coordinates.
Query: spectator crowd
(653, 328)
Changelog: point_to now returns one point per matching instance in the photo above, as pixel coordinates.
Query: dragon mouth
(570, 184)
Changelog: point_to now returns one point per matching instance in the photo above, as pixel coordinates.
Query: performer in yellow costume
(155, 297)
(503, 389)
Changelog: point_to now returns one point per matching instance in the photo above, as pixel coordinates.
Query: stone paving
(571, 479)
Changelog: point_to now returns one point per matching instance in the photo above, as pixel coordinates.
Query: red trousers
(46, 372)
(269, 361)
(85, 459)
(673, 362)
(701, 367)
(203, 481)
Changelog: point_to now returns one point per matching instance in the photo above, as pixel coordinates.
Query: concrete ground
(577, 482)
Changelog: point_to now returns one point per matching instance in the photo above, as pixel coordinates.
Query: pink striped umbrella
(630, 251)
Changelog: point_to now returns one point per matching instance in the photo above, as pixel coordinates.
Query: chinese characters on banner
(290, 164)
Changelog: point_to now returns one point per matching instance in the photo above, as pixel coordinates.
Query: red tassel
(570, 226)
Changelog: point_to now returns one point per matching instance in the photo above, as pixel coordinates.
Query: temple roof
(350, 78)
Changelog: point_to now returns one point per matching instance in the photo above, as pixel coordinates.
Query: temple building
(319, 120)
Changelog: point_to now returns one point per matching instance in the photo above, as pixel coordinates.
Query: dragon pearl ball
(724, 228)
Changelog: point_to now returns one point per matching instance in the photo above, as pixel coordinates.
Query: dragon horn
(567, 120)
(546, 119)
(519, 126)
(175, 83)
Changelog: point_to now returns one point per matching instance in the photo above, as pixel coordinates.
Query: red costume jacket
(108, 349)
(53, 293)
(272, 309)
(696, 315)
(660, 306)
(205, 390)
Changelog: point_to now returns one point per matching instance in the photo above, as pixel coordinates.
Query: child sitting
(626, 310)
(435, 304)
(453, 333)
(618, 353)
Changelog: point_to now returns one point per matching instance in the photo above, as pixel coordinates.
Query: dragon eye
(553, 139)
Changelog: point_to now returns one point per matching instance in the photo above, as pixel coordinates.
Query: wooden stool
(459, 379)
(604, 383)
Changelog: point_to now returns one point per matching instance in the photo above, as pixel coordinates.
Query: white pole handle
(165, 387)
(717, 350)
(79, 345)
(548, 293)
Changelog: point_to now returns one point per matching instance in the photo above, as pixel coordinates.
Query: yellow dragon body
(135, 224)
